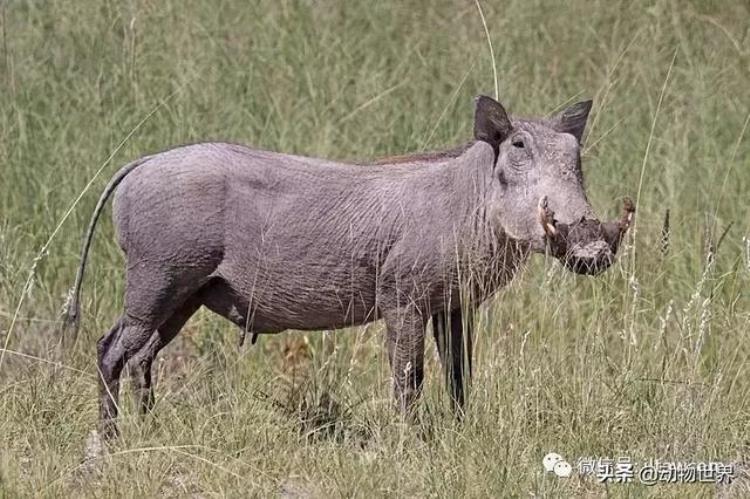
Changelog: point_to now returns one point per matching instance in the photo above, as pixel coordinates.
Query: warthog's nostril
(593, 250)
(590, 258)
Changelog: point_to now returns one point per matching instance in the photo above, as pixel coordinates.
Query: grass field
(649, 360)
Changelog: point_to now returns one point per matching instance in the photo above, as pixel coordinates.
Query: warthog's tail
(71, 314)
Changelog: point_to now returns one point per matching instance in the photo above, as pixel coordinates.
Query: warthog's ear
(573, 119)
(491, 123)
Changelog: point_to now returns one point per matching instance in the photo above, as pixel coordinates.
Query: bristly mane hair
(423, 157)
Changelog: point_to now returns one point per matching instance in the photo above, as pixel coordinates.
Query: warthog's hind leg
(153, 296)
(114, 349)
(140, 364)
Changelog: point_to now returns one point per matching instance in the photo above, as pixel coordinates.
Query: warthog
(274, 241)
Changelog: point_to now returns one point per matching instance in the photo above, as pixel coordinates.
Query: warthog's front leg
(454, 344)
(405, 342)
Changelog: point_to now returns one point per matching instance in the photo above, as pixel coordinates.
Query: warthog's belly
(271, 309)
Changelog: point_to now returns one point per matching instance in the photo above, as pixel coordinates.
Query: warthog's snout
(587, 246)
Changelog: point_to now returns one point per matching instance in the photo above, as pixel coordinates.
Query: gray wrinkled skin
(273, 242)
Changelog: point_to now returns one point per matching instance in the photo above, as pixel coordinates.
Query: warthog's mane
(446, 154)
(422, 157)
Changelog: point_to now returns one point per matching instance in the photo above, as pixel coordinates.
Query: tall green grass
(649, 360)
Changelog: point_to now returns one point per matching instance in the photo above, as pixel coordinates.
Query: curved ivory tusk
(615, 231)
(547, 217)
(628, 212)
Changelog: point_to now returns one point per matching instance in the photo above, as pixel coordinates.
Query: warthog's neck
(490, 255)
(451, 196)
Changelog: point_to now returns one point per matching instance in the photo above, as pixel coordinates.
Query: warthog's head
(537, 194)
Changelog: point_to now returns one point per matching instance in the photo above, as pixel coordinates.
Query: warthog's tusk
(628, 212)
(547, 217)
(615, 231)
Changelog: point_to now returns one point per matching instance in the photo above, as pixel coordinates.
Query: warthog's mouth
(587, 246)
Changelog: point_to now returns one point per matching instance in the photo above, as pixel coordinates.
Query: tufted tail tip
(70, 324)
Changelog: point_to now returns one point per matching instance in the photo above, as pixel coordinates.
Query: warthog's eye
(518, 142)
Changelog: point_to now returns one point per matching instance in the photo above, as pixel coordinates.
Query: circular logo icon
(563, 469)
(550, 460)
